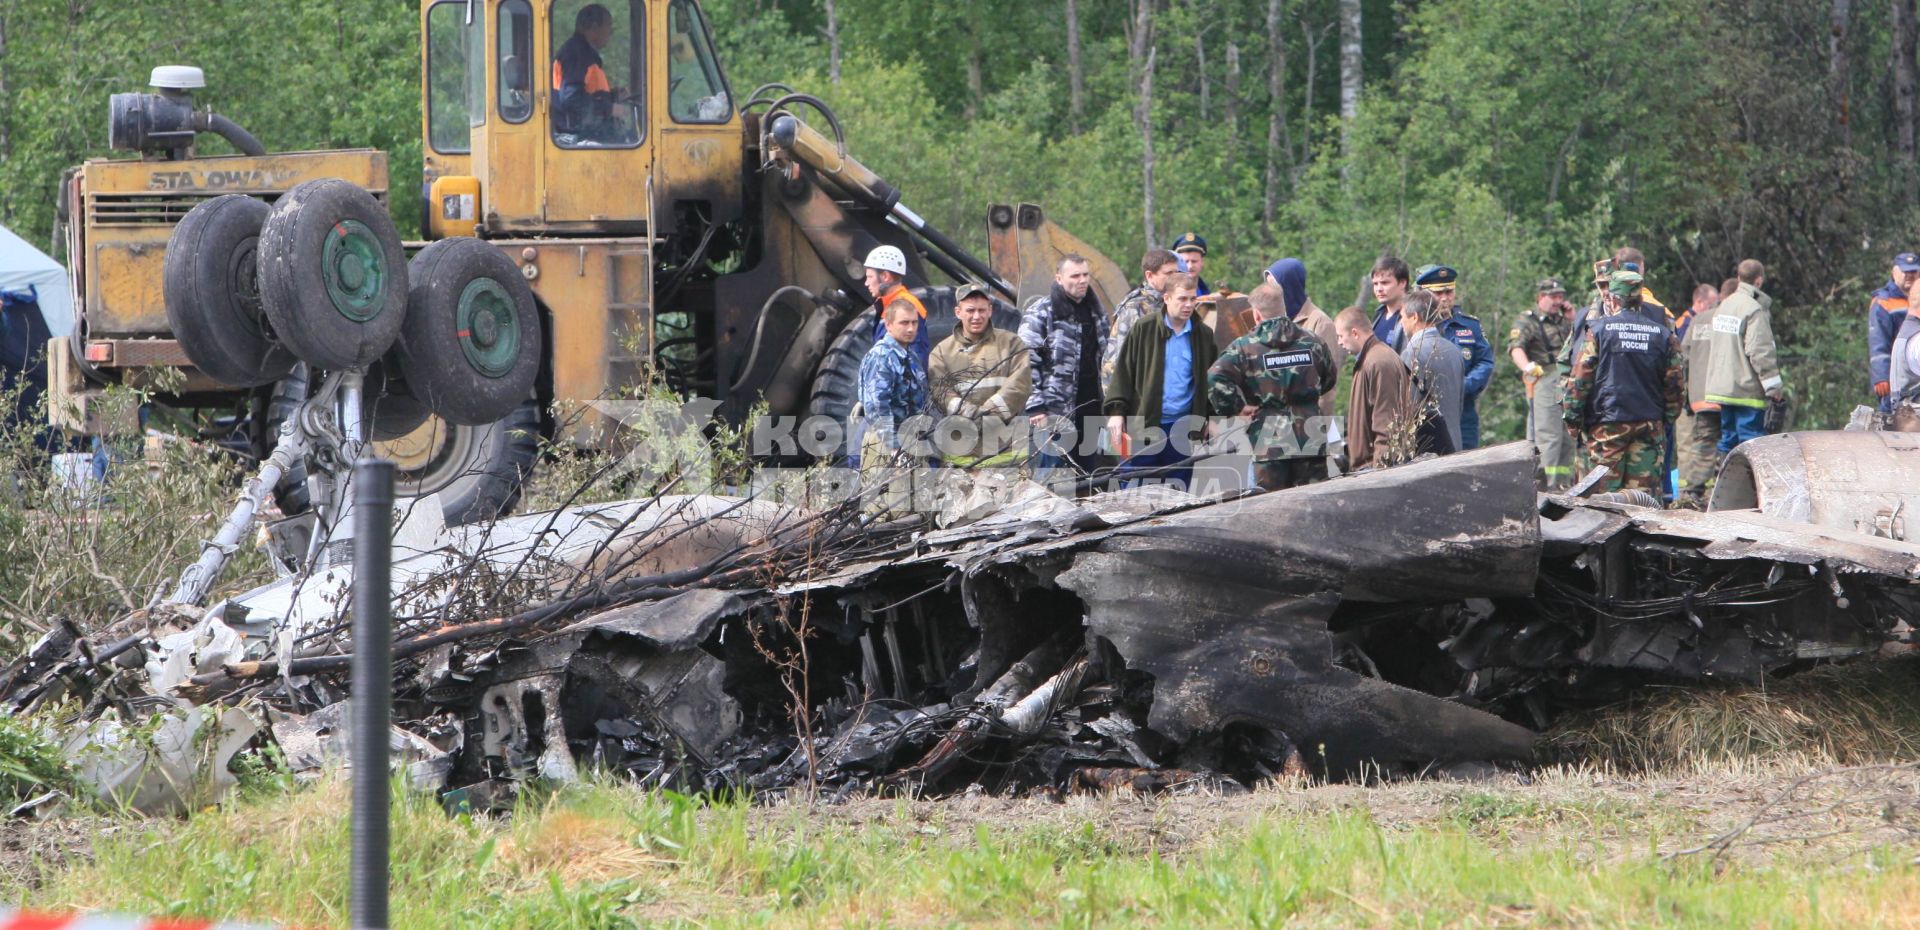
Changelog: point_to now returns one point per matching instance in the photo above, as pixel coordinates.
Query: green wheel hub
(488, 327)
(354, 267)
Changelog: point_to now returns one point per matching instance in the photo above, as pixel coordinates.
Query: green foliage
(297, 75)
(30, 763)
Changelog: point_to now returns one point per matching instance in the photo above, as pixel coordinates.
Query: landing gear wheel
(388, 412)
(476, 471)
(212, 293)
(333, 277)
(836, 383)
(470, 345)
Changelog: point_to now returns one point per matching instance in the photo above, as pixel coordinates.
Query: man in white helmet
(886, 273)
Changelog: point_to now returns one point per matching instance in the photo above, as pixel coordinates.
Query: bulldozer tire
(212, 290)
(470, 345)
(836, 383)
(477, 470)
(333, 276)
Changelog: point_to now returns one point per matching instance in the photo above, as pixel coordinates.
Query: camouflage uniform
(1540, 336)
(1282, 370)
(1633, 449)
(1141, 302)
(893, 388)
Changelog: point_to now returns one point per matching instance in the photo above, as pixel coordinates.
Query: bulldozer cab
(574, 118)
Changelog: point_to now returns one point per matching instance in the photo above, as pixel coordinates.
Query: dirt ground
(32, 848)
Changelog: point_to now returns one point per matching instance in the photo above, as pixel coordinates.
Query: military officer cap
(1193, 242)
(1435, 277)
(1550, 286)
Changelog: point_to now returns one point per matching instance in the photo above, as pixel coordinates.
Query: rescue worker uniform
(1743, 367)
(1696, 434)
(893, 389)
(1281, 370)
(1885, 314)
(1541, 336)
(1625, 389)
(984, 381)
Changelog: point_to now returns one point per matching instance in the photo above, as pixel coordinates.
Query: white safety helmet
(888, 258)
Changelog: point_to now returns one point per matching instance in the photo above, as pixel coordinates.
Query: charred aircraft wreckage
(1426, 616)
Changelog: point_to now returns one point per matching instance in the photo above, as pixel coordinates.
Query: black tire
(470, 346)
(210, 282)
(477, 472)
(333, 277)
(836, 383)
(388, 407)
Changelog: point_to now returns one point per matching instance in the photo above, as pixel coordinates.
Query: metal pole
(372, 688)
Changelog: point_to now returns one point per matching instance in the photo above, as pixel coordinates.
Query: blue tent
(24, 268)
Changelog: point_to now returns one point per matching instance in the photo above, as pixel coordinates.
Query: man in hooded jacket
(1290, 275)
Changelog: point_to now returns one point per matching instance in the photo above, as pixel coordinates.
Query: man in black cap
(1532, 344)
(1192, 250)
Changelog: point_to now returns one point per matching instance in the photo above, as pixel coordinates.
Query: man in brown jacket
(978, 374)
(1380, 391)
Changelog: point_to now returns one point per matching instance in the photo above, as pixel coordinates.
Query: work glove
(1535, 372)
(1882, 388)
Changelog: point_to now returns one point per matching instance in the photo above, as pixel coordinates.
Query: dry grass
(1852, 714)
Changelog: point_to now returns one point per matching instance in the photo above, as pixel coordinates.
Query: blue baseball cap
(1907, 261)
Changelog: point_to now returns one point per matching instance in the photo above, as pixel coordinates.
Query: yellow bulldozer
(600, 208)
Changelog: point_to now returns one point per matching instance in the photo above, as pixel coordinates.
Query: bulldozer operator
(583, 98)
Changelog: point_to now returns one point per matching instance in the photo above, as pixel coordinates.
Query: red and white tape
(10, 920)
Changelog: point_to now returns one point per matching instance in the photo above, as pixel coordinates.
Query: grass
(603, 856)
(1851, 714)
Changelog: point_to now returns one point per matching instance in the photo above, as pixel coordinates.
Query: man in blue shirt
(1157, 398)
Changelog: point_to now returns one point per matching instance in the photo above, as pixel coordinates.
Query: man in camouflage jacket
(1276, 375)
(1625, 388)
(1066, 335)
(1141, 302)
